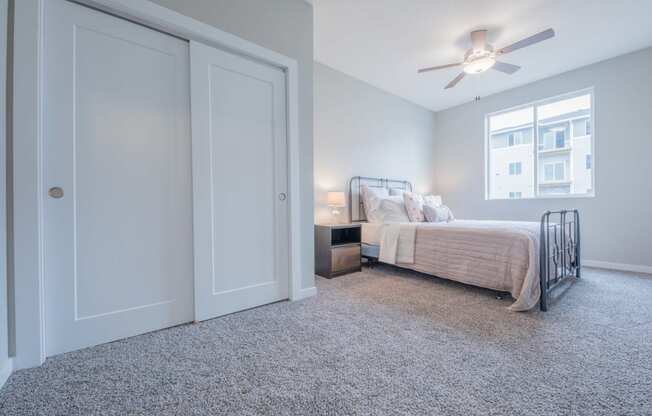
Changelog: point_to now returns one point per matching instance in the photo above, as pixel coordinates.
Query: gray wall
(285, 26)
(616, 223)
(361, 130)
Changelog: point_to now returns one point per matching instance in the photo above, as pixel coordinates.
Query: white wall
(285, 26)
(361, 130)
(5, 362)
(616, 223)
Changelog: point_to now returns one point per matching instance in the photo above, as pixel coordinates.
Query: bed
(529, 260)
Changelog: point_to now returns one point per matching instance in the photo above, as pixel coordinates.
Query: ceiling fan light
(479, 65)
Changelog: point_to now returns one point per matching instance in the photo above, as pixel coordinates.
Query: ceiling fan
(482, 55)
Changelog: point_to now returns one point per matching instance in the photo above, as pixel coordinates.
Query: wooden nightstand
(337, 249)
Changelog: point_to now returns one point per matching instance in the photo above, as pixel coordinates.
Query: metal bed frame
(356, 207)
(559, 250)
(559, 257)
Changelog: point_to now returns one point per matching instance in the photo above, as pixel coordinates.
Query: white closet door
(117, 179)
(240, 182)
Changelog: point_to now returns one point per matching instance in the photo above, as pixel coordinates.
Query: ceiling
(384, 42)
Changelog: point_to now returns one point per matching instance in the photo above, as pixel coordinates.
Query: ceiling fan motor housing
(479, 60)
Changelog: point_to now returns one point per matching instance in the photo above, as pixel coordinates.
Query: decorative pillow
(438, 214)
(432, 200)
(414, 206)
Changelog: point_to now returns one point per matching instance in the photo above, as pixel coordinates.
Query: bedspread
(497, 255)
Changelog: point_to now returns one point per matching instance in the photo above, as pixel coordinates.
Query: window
(548, 141)
(581, 127)
(515, 195)
(515, 168)
(515, 138)
(560, 139)
(556, 153)
(554, 172)
(553, 137)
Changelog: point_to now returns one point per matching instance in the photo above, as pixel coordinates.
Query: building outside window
(553, 142)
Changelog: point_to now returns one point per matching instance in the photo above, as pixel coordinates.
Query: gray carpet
(380, 342)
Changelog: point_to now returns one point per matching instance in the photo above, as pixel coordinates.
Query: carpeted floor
(380, 342)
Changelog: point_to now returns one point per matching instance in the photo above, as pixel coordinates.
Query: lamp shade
(336, 199)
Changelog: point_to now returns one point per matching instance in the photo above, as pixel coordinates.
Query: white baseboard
(6, 371)
(637, 268)
(307, 292)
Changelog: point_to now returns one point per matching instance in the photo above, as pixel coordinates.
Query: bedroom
(286, 207)
(377, 117)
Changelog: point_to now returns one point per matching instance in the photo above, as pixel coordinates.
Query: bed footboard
(560, 251)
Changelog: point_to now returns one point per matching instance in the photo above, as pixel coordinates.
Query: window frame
(590, 91)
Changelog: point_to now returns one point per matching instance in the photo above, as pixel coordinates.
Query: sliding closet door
(117, 179)
(240, 182)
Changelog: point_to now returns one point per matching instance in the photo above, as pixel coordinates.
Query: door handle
(55, 192)
(282, 196)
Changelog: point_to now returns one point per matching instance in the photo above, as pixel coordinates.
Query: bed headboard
(356, 207)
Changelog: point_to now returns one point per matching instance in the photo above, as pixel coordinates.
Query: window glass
(545, 148)
(511, 153)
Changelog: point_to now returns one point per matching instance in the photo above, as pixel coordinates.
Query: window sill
(556, 196)
(556, 183)
(556, 150)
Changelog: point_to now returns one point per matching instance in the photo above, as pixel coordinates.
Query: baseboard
(6, 371)
(637, 268)
(306, 293)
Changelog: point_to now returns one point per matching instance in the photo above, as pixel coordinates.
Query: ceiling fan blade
(541, 36)
(505, 67)
(433, 68)
(455, 80)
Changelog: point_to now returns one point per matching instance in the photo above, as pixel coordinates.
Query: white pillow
(414, 206)
(391, 209)
(438, 214)
(379, 192)
(396, 191)
(371, 197)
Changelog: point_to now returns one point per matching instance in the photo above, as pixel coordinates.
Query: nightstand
(337, 249)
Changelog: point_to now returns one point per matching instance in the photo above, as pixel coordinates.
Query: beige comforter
(496, 255)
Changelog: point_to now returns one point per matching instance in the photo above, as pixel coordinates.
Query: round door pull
(55, 192)
(282, 196)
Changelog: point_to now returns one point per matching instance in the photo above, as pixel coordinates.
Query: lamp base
(335, 214)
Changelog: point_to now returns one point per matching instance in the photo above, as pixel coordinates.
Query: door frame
(6, 362)
(29, 188)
